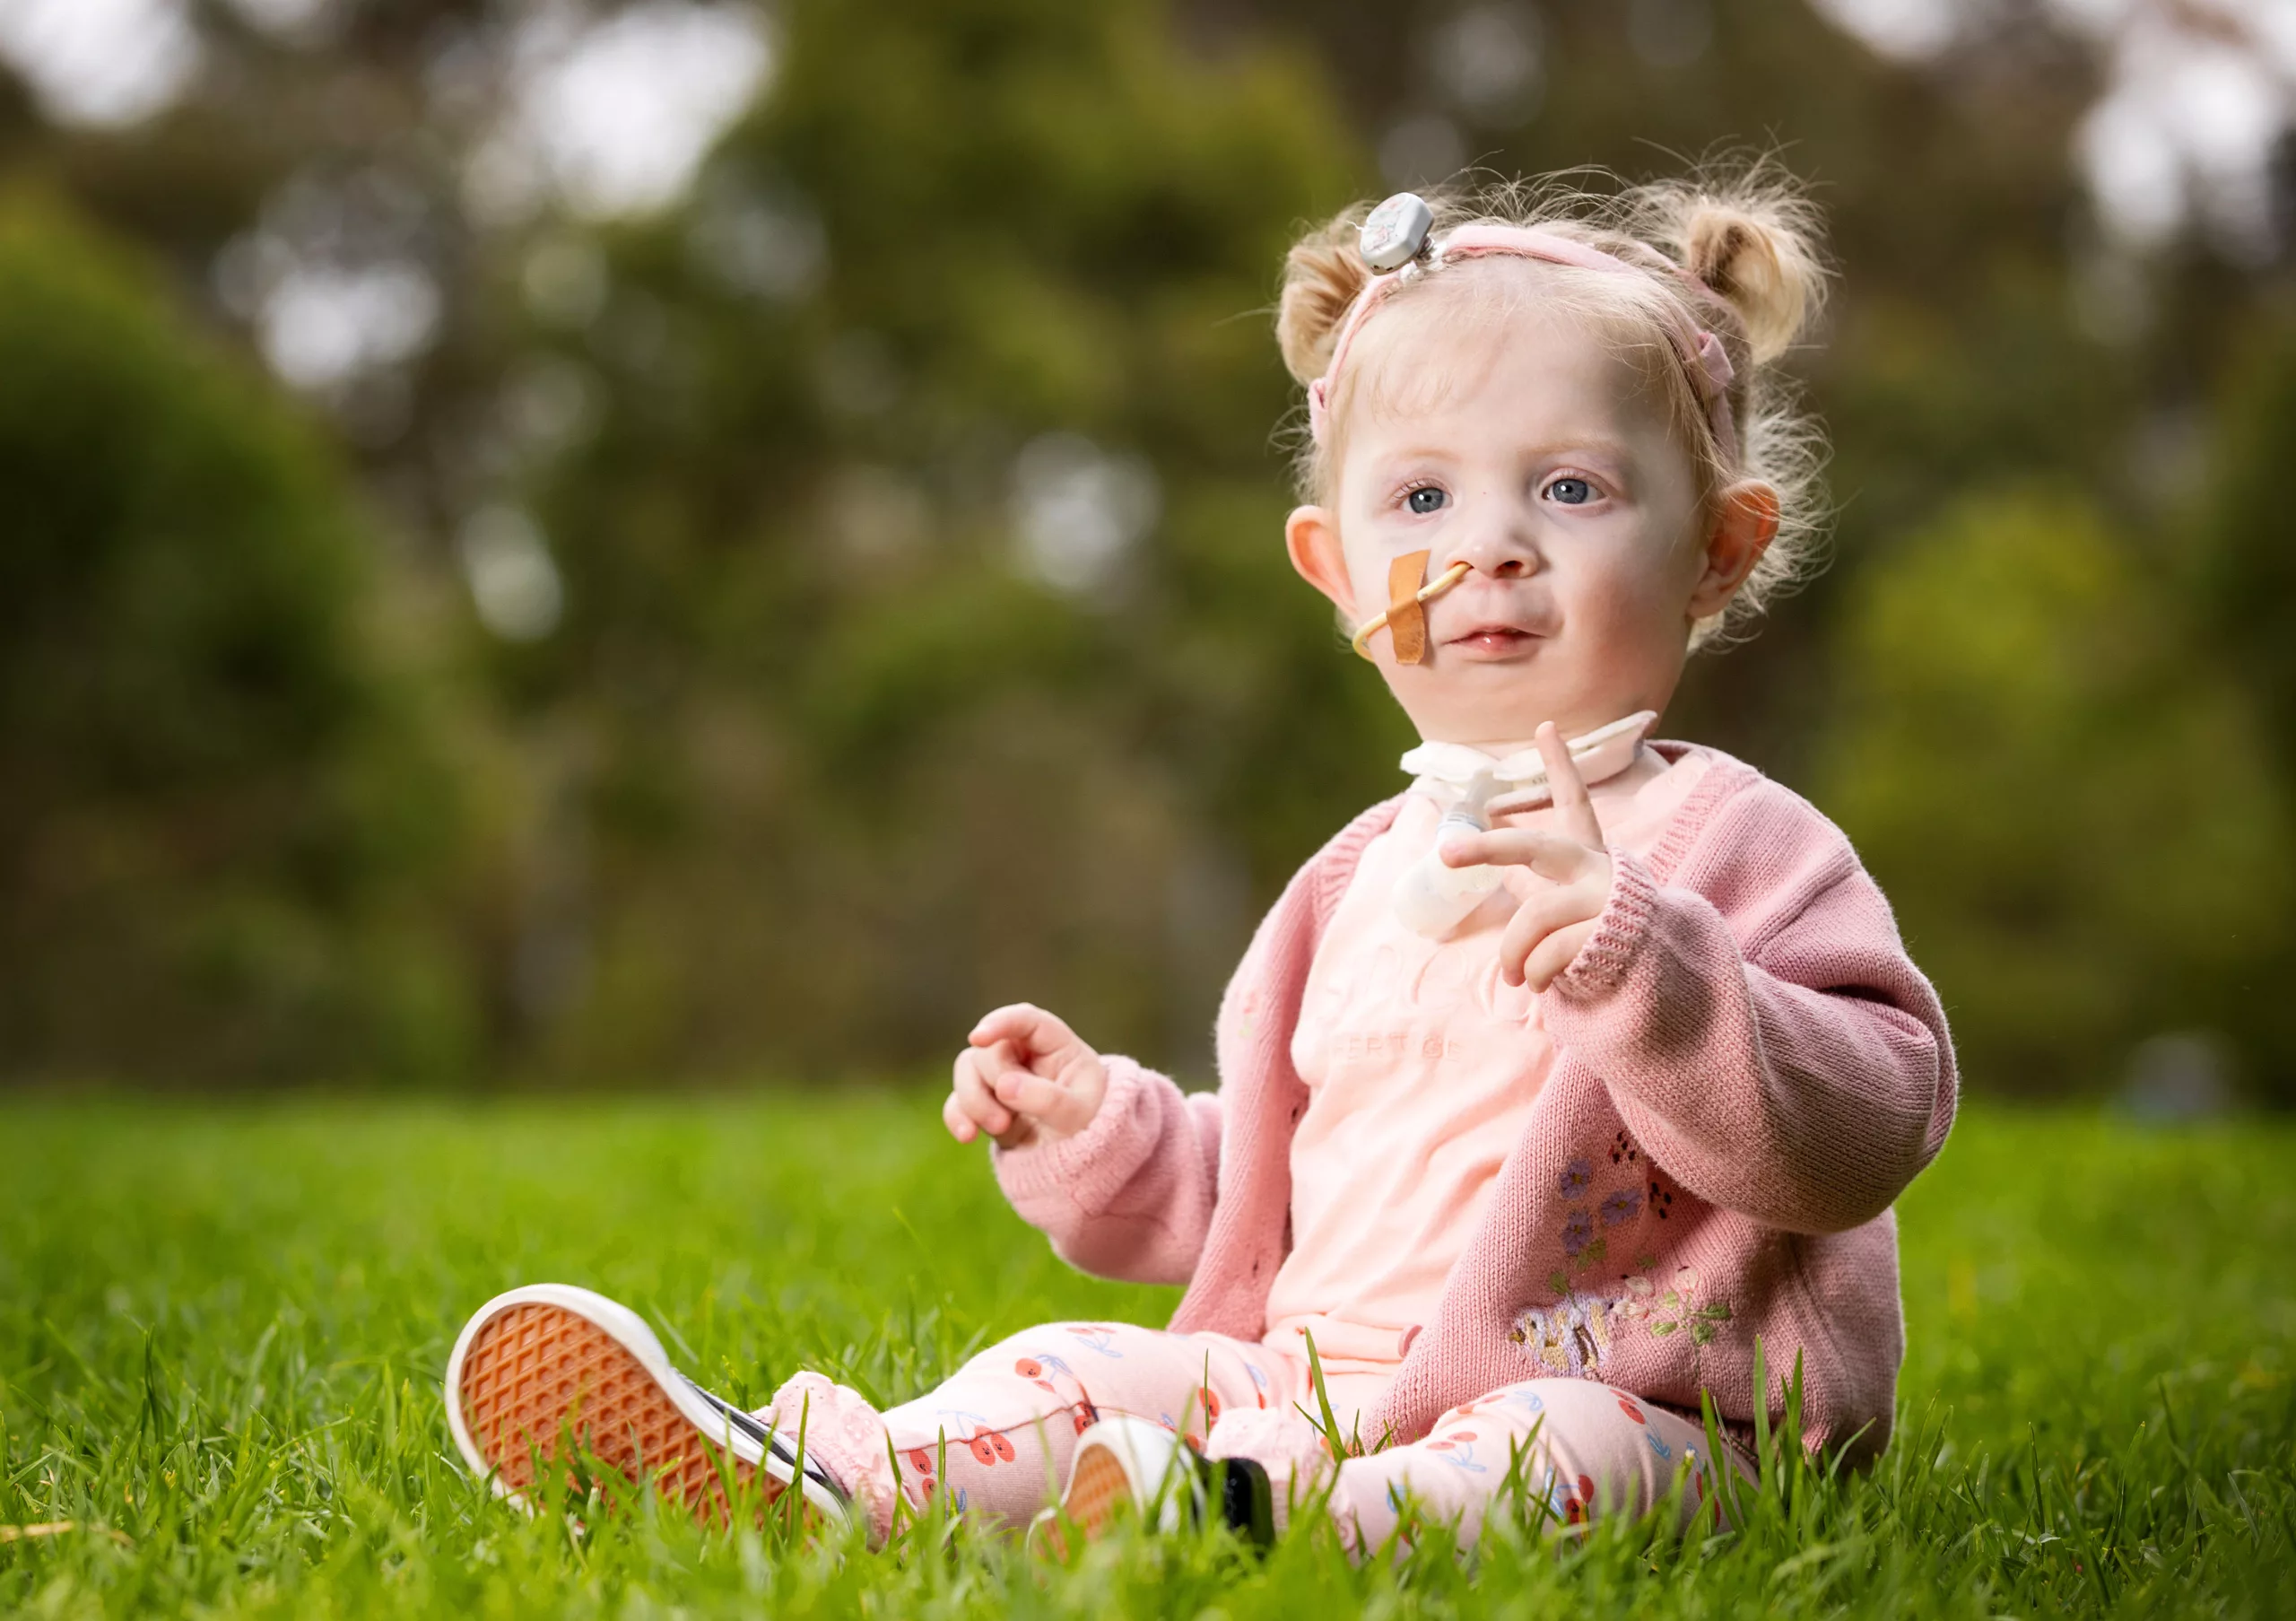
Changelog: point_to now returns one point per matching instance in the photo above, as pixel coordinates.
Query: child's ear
(1746, 521)
(1311, 536)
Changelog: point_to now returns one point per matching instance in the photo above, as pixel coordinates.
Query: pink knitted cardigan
(1748, 1069)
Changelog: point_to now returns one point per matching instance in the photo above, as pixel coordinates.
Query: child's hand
(1025, 1078)
(1557, 916)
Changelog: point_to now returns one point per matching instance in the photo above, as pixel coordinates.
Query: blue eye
(1426, 498)
(1571, 492)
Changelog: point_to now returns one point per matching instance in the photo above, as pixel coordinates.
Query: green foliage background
(814, 767)
(225, 801)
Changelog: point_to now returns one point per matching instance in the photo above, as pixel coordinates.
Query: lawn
(222, 1330)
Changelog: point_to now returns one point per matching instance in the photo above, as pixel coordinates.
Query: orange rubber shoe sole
(1094, 1490)
(542, 1366)
(1122, 1463)
(1096, 1485)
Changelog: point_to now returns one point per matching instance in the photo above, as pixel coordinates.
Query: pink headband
(1702, 354)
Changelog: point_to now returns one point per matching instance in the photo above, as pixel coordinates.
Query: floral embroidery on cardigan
(1578, 1240)
(1572, 1336)
(1587, 1226)
(1677, 1309)
(1576, 1177)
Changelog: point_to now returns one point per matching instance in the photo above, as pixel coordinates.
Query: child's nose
(1503, 555)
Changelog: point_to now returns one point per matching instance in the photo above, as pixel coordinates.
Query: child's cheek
(1367, 572)
(1625, 597)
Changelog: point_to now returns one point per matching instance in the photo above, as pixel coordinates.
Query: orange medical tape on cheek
(1432, 589)
(1406, 618)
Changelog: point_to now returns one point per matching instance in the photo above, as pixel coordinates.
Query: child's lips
(1494, 642)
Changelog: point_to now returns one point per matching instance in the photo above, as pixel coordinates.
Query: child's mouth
(1494, 642)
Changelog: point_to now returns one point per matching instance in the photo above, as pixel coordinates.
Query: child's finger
(1076, 1099)
(960, 1124)
(1550, 855)
(1574, 811)
(998, 1064)
(1016, 1022)
(970, 1087)
(1547, 909)
(1032, 1095)
(1031, 1029)
(1555, 954)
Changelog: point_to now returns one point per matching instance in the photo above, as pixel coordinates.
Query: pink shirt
(1420, 1067)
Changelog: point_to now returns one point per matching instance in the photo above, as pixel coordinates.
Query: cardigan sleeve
(1759, 1025)
(1130, 1196)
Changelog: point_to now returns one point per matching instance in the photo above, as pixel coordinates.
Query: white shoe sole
(542, 1362)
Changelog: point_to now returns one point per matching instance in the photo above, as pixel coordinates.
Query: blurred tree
(221, 810)
(2242, 579)
(2063, 802)
(2245, 571)
(926, 563)
(872, 556)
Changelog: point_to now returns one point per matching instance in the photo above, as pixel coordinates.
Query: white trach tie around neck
(1447, 769)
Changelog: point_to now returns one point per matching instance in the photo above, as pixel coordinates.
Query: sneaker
(1122, 1460)
(540, 1363)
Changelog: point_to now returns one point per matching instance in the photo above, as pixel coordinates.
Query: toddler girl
(1549, 1085)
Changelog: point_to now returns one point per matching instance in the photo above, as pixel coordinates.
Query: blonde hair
(1735, 249)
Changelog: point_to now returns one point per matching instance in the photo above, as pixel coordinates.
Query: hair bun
(1322, 274)
(1759, 256)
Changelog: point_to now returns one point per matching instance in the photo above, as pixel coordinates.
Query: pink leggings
(997, 1439)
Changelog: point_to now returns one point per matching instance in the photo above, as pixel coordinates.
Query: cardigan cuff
(1090, 1166)
(1619, 931)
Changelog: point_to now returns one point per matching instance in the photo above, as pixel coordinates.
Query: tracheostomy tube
(1433, 899)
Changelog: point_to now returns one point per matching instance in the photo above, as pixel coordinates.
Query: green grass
(221, 1332)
